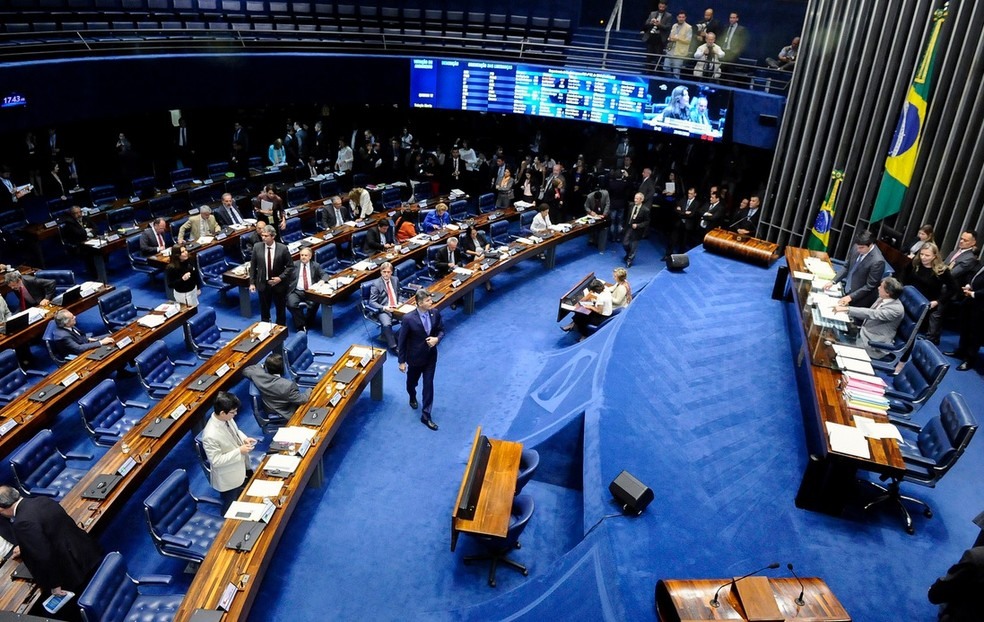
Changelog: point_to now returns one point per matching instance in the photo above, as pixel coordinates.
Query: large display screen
(680, 108)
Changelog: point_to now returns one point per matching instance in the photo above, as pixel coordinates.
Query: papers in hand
(151, 320)
(845, 439)
(281, 465)
(244, 510)
(54, 603)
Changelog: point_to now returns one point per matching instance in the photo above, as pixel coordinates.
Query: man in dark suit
(75, 230)
(240, 138)
(279, 394)
(335, 213)
(61, 556)
(384, 298)
(963, 260)
(422, 330)
(636, 225)
(227, 213)
(686, 222)
(67, 339)
(271, 271)
(648, 187)
(655, 32)
(863, 272)
(957, 591)
(378, 238)
(745, 221)
(307, 273)
(29, 291)
(155, 238)
(972, 321)
(448, 258)
(454, 170)
(712, 215)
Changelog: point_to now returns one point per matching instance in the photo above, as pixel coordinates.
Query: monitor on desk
(473, 480)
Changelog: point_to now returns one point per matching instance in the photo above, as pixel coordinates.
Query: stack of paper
(281, 464)
(846, 439)
(820, 268)
(872, 429)
(849, 364)
(865, 382)
(865, 392)
(293, 434)
(151, 321)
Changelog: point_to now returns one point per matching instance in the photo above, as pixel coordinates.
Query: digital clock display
(13, 101)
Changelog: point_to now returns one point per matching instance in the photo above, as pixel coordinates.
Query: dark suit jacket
(223, 216)
(329, 220)
(279, 394)
(863, 288)
(412, 346)
(55, 550)
(315, 272)
(375, 241)
(74, 233)
(963, 267)
(712, 215)
(283, 266)
(37, 290)
(66, 342)
(641, 219)
(738, 42)
(648, 190)
(469, 245)
(742, 220)
(696, 209)
(444, 264)
(958, 589)
(148, 241)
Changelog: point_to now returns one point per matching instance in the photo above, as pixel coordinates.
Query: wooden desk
(93, 515)
(743, 247)
(574, 295)
(498, 489)
(33, 332)
(31, 416)
(830, 476)
(682, 600)
(246, 569)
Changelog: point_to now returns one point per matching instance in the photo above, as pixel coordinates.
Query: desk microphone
(717, 603)
(799, 600)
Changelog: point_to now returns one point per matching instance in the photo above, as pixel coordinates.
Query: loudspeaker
(677, 262)
(632, 494)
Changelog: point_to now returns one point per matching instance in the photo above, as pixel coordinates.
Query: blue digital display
(13, 100)
(679, 108)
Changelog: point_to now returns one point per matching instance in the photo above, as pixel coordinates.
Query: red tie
(389, 290)
(160, 241)
(23, 295)
(304, 276)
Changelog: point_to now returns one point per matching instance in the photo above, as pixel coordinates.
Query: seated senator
(70, 341)
(594, 309)
(279, 394)
(437, 220)
(621, 290)
(881, 320)
(405, 229)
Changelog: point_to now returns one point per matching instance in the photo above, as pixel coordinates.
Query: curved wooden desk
(742, 247)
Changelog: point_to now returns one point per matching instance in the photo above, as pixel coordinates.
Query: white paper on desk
(452, 227)
(561, 228)
(855, 365)
(828, 313)
(264, 488)
(523, 204)
(249, 221)
(526, 241)
(349, 223)
(802, 276)
(463, 271)
(850, 352)
(263, 328)
(151, 321)
(406, 308)
(293, 247)
(282, 463)
(312, 240)
(360, 352)
(845, 439)
(874, 429)
(364, 265)
(205, 239)
(819, 268)
(293, 434)
(322, 287)
(245, 510)
(238, 227)
(94, 243)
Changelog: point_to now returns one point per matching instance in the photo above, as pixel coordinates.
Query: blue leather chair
(217, 170)
(422, 190)
(367, 313)
(202, 335)
(161, 207)
(138, 262)
(212, 264)
(13, 379)
(117, 309)
(499, 233)
(411, 277)
(105, 415)
(458, 210)
(114, 596)
(121, 218)
(292, 231)
(180, 176)
(300, 361)
(177, 523)
(268, 420)
(486, 202)
(48, 339)
(918, 379)
(64, 279)
(529, 460)
(526, 221)
(200, 196)
(102, 195)
(157, 372)
(358, 241)
(297, 195)
(498, 548)
(40, 470)
(916, 308)
(175, 226)
(326, 256)
(143, 187)
(391, 198)
(328, 188)
(930, 455)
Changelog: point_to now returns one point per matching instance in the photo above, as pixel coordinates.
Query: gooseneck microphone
(715, 602)
(799, 600)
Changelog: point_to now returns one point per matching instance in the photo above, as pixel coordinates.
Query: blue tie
(426, 321)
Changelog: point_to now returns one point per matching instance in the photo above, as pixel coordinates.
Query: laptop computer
(18, 322)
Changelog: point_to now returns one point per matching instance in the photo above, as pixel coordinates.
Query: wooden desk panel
(246, 569)
(494, 507)
(93, 515)
(32, 416)
(683, 600)
(742, 247)
(34, 331)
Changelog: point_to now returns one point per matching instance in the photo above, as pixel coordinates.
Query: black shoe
(628, 263)
(953, 353)
(413, 403)
(965, 366)
(427, 421)
(392, 350)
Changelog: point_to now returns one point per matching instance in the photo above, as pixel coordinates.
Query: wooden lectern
(754, 599)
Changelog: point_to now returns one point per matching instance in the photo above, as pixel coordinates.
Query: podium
(754, 599)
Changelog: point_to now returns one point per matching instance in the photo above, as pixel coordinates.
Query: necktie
(24, 297)
(731, 32)
(338, 216)
(390, 293)
(269, 261)
(450, 257)
(304, 277)
(160, 241)
(635, 212)
(426, 321)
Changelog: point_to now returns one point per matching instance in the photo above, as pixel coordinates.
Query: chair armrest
(184, 362)
(882, 346)
(209, 500)
(153, 579)
(162, 387)
(44, 492)
(323, 353)
(34, 372)
(905, 423)
(901, 408)
(75, 455)
(307, 374)
(919, 460)
(175, 540)
(899, 395)
(227, 329)
(130, 403)
(106, 432)
(139, 308)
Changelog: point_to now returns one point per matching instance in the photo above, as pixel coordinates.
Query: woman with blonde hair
(621, 290)
(928, 274)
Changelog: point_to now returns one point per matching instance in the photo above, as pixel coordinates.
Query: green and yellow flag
(820, 234)
(901, 161)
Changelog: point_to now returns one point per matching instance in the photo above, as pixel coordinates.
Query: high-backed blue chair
(916, 308)
(138, 262)
(40, 470)
(297, 195)
(410, 276)
(930, 455)
(48, 338)
(114, 596)
(367, 312)
(292, 231)
(203, 460)
(199, 196)
(499, 232)
(161, 207)
(14, 381)
(458, 210)
(143, 187)
(498, 548)
(268, 420)
(64, 279)
(178, 525)
(202, 335)
(328, 188)
(486, 202)
(300, 361)
(918, 379)
(326, 256)
(117, 309)
(105, 416)
(157, 372)
(102, 195)
(529, 460)
(180, 176)
(212, 264)
(217, 170)
(120, 218)
(355, 246)
(391, 198)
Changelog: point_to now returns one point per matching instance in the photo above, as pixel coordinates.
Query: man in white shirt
(343, 163)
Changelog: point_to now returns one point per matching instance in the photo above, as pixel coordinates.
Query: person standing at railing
(655, 32)
(678, 48)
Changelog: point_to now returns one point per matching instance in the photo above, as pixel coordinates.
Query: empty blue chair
(117, 309)
(105, 415)
(102, 195)
(178, 525)
(498, 548)
(526, 221)
(64, 279)
(161, 207)
(200, 196)
(296, 196)
(180, 177)
(486, 202)
(358, 241)
(326, 256)
(499, 232)
(202, 335)
(422, 190)
(14, 381)
(157, 372)
(217, 170)
(292, 231)
(458, 210)
(529, 460)
(411, 277)
(121, 218)
(212, 264)
(328, 188)
(300, 360)
(143, 187)
(918, 379)
(391, 198)
(114, 596)
(41, 470)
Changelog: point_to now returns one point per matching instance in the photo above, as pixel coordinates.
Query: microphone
(799, 600)
(717, 603)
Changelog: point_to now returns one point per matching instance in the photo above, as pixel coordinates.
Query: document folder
(346, 375)
(247, 345)
(46, 393)
(157, 428)
(100, 353)
(203, 383)
(101, 488)
(245, 536)
(315, 416)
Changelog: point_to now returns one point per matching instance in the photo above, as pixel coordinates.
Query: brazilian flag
(820, 234)
(901, 161)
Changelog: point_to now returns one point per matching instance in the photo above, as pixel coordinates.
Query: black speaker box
(677, 262)
(630, 493)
